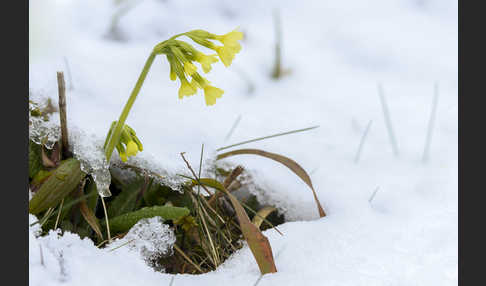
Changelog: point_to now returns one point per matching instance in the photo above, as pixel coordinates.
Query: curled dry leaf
(262, 214)
(289, 163)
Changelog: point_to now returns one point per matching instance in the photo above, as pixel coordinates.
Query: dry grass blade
(227, 182)
(258, 243)
(289, 163)
(262, 214)
(267, 137)
(218, 186)
(88, 214)
(187, 258)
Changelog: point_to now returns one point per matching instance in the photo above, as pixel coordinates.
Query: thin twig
(227, 182)
(267, 137)
(388, 123)
(200, 168)
(361, 143)
(194, 173)
(430, 129)
(62, 114)
(46, 217)
(235, 124)
(59, 214)
(121, 245)
(187, 258)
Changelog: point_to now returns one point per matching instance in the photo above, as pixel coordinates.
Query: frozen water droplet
(89, 151)
(41, 131)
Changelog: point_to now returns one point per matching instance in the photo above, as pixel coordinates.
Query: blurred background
(333, 57)
(379, 78)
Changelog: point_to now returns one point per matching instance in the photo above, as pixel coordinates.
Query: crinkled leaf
(61, 183)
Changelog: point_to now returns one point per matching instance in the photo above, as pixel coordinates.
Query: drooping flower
(226, 54)
(231, 39)
(186, 89)
(206, 61)
(211, 93)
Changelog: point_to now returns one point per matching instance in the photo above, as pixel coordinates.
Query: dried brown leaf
(289, 163)
(262, 214)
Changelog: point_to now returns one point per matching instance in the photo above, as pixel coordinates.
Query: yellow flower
(206, 61)
(189, 68)
(211, 93)
(226, 54)
(231, 39)
(186, 89)
(132, 148)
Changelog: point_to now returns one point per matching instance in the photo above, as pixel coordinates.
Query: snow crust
(336, 53)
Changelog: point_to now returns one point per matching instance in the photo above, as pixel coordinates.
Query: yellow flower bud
(211, 93)
(132, 148)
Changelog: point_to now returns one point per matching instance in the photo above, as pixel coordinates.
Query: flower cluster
(128, 145)
(182, 57)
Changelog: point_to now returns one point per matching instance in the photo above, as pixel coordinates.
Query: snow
(337, 52)
(151, 238)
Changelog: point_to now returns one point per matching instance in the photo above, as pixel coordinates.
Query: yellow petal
(231, 38)
(211, 93)
(206, 61)
(132, 148)
(189, 68)
(186, 89)
(226, 55)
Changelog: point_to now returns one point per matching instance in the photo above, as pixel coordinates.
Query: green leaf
(61, 183)
(92, 200)
(124, 202)
(35, 159)
(124, 222)
(209, 182)
(156, 194)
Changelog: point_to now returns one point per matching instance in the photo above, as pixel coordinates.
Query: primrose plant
(181, 57)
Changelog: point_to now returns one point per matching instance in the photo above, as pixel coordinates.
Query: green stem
(115, 135)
